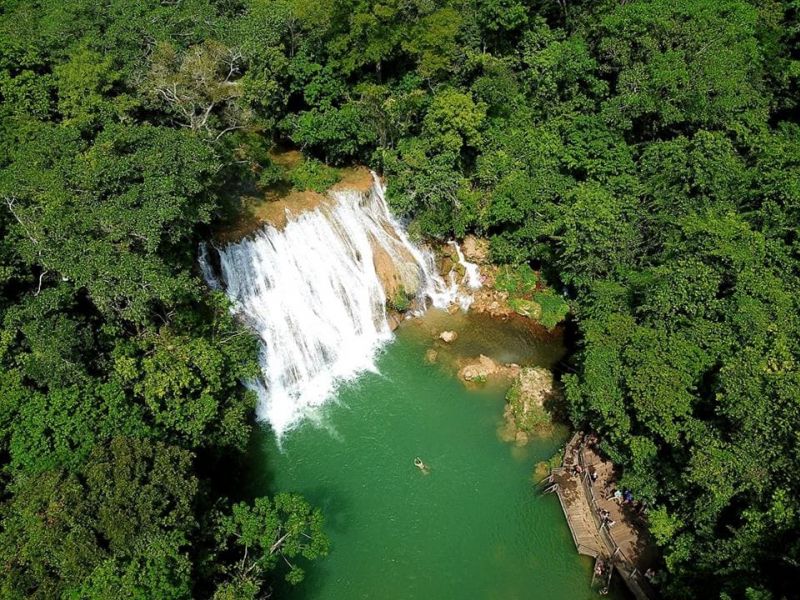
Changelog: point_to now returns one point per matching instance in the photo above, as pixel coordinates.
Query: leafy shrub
(399, 301)
(554, 308)
(271, 174)
(521, 283)
(313, 175)
(517, 281)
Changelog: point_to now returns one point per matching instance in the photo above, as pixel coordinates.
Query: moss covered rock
(529, 402)
(527, 294)
(526, 308)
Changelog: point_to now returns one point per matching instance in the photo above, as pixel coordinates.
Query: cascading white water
(206, 269)
(441, 294)
(312, 292)
(472, 273)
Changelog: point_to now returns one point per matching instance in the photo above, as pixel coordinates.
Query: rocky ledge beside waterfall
(509, 295)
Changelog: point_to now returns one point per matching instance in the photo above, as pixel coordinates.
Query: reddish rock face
(475, 249)
(399, 274)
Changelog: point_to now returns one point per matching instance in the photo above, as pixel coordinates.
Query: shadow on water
(259, 471)
(336, 507)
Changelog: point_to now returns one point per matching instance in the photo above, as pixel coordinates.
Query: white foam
(312, 294)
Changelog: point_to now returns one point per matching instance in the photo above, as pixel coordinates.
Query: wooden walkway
(626, 545)
(581, 523)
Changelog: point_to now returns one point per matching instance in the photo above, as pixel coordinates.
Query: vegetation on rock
(313, 175)
(528, 296)
(516, 281)
(530, 401)
(399, 300)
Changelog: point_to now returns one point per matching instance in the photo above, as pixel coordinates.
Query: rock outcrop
(484, 368)
(394, 318)
(529, 403)
(489, 300)
(399, 275)
(448, 336)
(475, 249)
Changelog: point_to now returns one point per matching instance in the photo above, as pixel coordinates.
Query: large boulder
(479, 370)
(527, 308)
(394, 319)
(475, 249)
(529, 402)
(448, 336)
(398, 272)
(483, 368)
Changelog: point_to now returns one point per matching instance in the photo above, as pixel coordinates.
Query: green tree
(258, 538)
(131, 497)
(681, 66)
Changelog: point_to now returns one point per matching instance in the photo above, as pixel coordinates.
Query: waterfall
(206, 269)
(472, 274)
(314, 292)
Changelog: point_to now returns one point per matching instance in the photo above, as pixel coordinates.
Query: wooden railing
(619, 560)
(623, 563)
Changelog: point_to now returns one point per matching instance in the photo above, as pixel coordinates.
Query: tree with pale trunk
(199, 86)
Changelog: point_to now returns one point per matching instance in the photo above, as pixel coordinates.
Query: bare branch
(278, 543)
(10, 203)
(41, 277)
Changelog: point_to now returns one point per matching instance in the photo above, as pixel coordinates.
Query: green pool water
(472, 528)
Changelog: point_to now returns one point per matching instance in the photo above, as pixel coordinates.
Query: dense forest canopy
(644, 154)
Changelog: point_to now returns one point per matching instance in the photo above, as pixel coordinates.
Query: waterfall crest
(315, 292)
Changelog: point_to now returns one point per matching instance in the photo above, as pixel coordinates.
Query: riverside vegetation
(643, 156)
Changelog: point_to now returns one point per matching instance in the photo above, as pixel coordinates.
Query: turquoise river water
(473, 527)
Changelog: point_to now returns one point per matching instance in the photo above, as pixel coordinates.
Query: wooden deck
(581, 523)
(626, 545)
